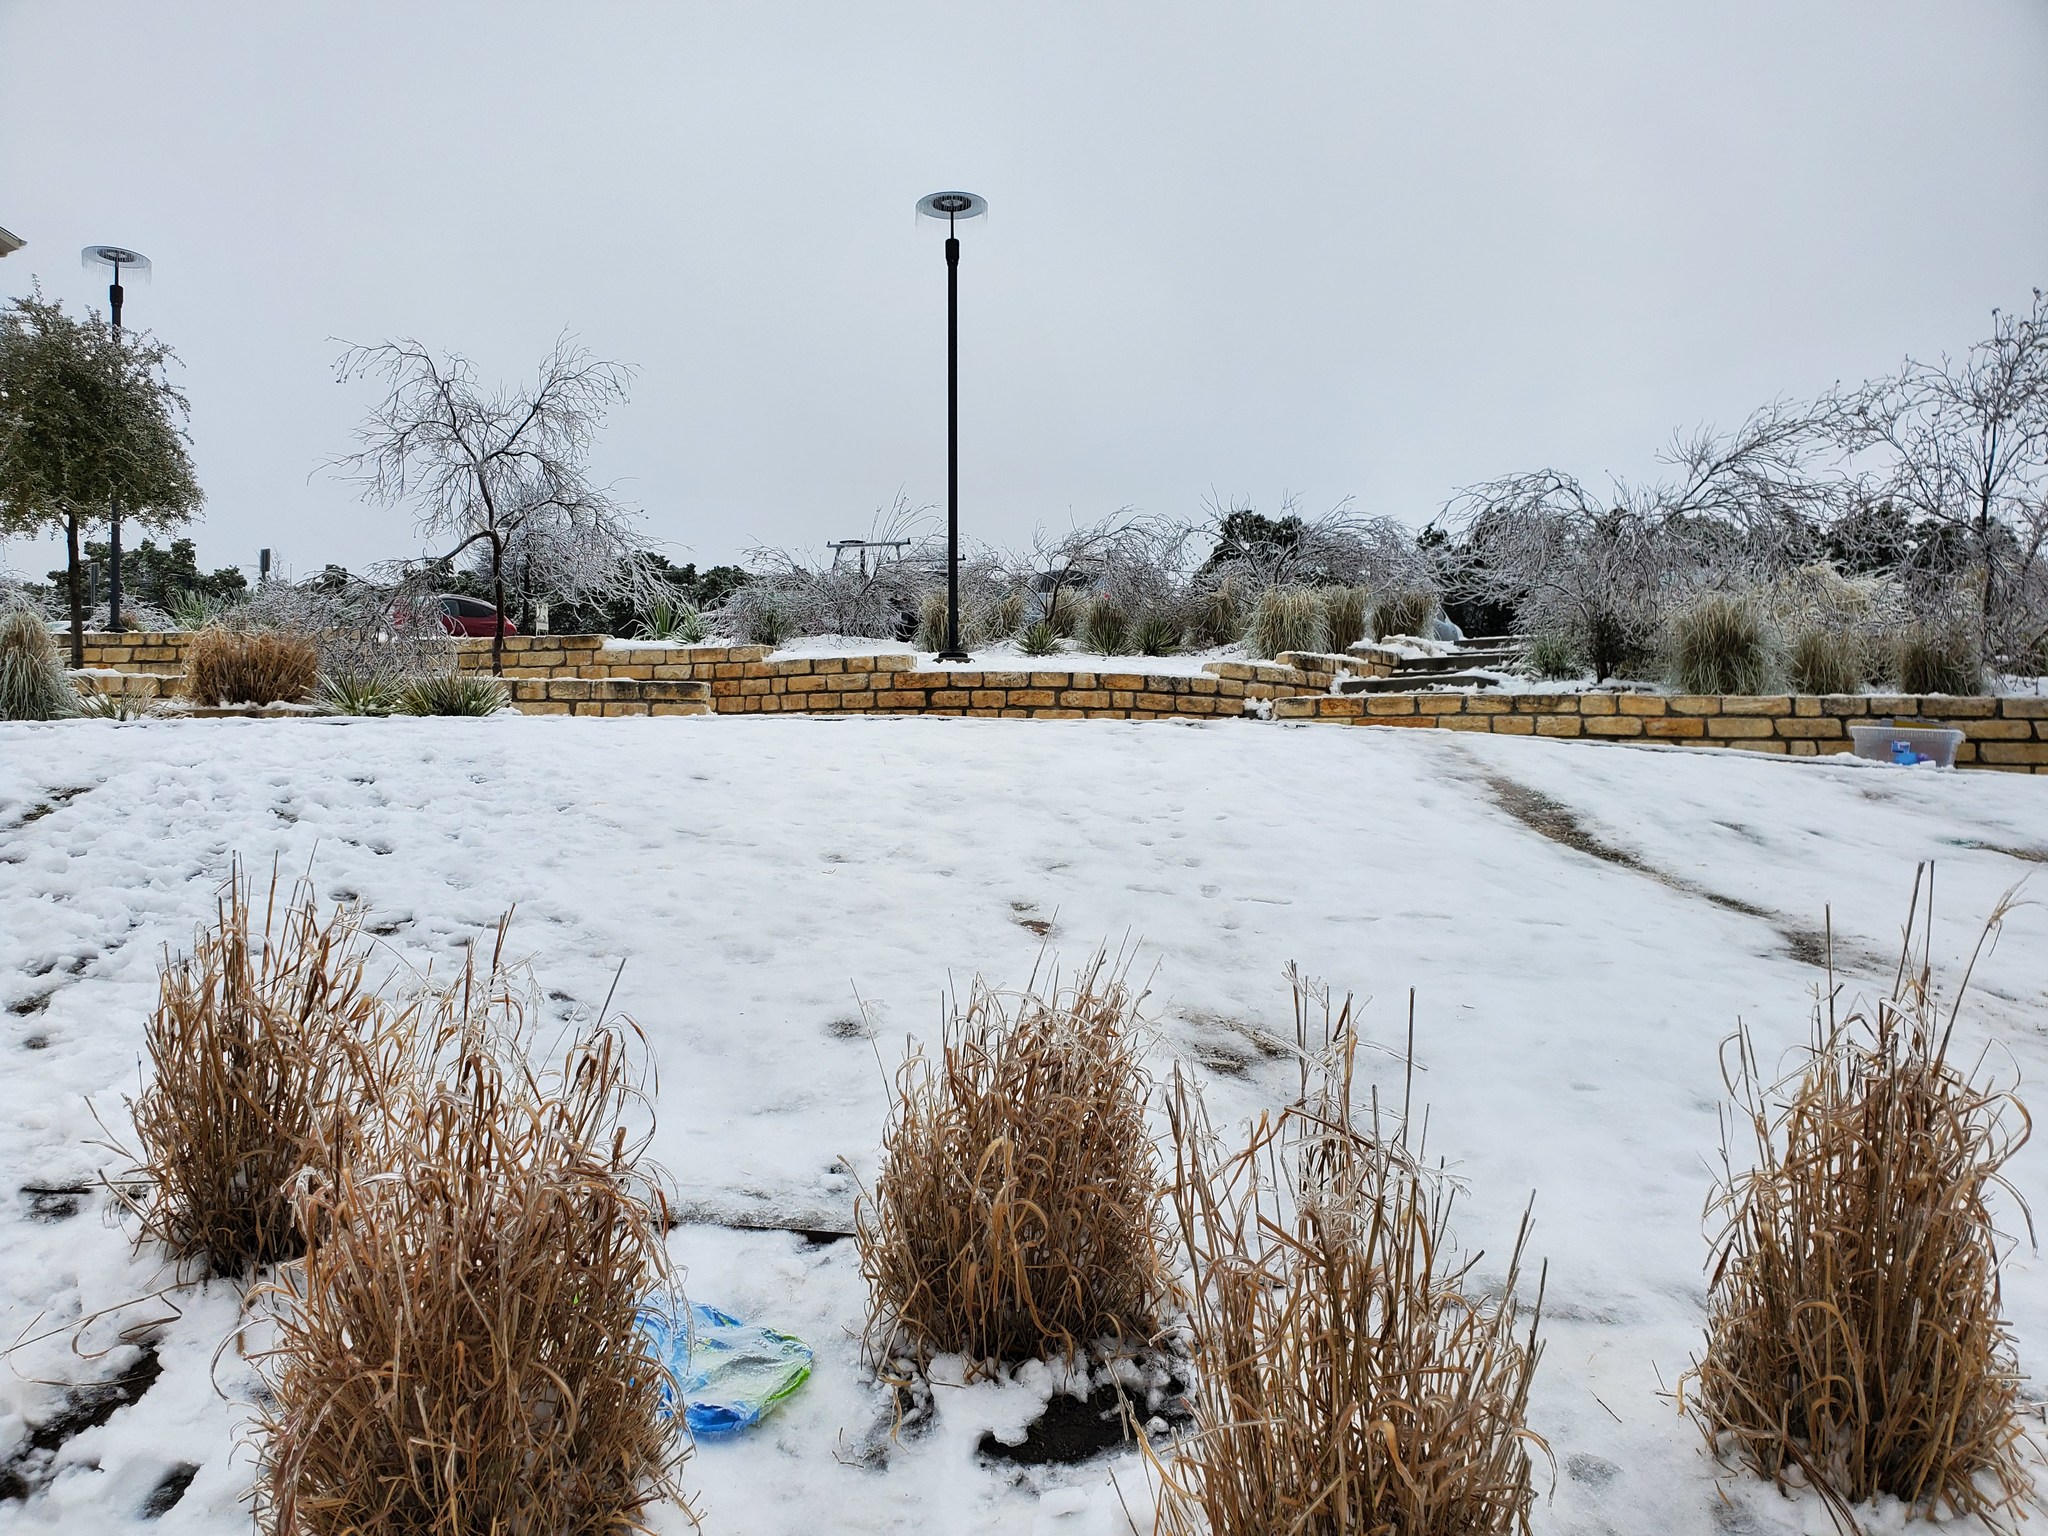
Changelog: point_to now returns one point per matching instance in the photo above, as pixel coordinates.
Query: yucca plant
(93, 705)
(1105, 627)
(1719, 644)
(452, 693)
(1552, 656)
(671, 619)
(1287, 619)
(351, 693)
(1157, 634)
(254, 666)
(1856, 1338)
(1826, 660)
(1016, 1213)
(1404, 611)
(1937, 656)
(1039, 639)
(33, 683)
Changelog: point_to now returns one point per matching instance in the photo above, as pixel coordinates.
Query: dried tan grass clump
(458, 1353)
(1856, 1342)
(1016, 1213)
(264, 1049)
(1347, 1377)
(257, 666)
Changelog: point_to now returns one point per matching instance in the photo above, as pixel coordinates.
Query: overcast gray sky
(1253, 249)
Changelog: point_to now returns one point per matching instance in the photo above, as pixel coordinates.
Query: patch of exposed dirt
(86, 1406)
(2029, 855)
(170, 1488)
(1074, 1429)
(1559, 823)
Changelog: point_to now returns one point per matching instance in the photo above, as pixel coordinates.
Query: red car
(471, 616)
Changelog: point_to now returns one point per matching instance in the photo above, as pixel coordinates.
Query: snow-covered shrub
(1016, 1213)
(755, 614)
(1407, 611)
(1105, 627)
(1938, 655)
(33, 683)
(262, 1049)
(452, 693)
(1351, 1374)
(1287, 619)
(1348, 610)
(459, 1351)
(1721, 644)
(1855, 1335)
(259, 666)
(1825, 660)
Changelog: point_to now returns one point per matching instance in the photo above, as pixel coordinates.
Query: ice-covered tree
(497, 476)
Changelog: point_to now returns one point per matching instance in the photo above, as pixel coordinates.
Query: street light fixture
(953, 207)
(116, 257)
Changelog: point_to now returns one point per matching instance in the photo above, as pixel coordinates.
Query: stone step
(1414, 684)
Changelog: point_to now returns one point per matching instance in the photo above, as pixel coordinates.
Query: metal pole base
(953, 656)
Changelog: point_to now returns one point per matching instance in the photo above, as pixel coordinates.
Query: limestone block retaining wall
(2010, 734)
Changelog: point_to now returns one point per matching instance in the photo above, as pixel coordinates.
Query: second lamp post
(954, 208)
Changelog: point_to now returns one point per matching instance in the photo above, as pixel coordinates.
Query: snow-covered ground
(763, 879)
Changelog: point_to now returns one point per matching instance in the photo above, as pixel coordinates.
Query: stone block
(1998, 730)
(1598, 704)
(1512, 725)
(1379, 704)
(1614, 725)
(1798, 728)
(1440, 704)
(1727, 727)
(1558, 725)
(2031, 752)
(1772, 704)
(1675, 727)
(1638, 704)
(1694, 704)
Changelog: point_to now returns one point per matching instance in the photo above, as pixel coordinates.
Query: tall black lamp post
(953, 207)
(116, 257)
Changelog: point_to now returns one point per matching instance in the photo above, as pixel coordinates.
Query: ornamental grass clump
(1405, 611)
(1720, 644)
(1287, 619)
(458, 1353)
(1351, 1373)
(33, 683)
(1016, 1213)
(1938, 657)
(1348, 610)
(352, 693)
(1825, 660)
(1855, 1337)
(1216, 614)
(264, 1048)
(254, 666)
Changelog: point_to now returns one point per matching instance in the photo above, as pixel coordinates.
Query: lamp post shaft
(953, 652)
(114, 297)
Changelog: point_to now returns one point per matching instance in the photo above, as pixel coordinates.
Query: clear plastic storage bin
(1882, 741)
